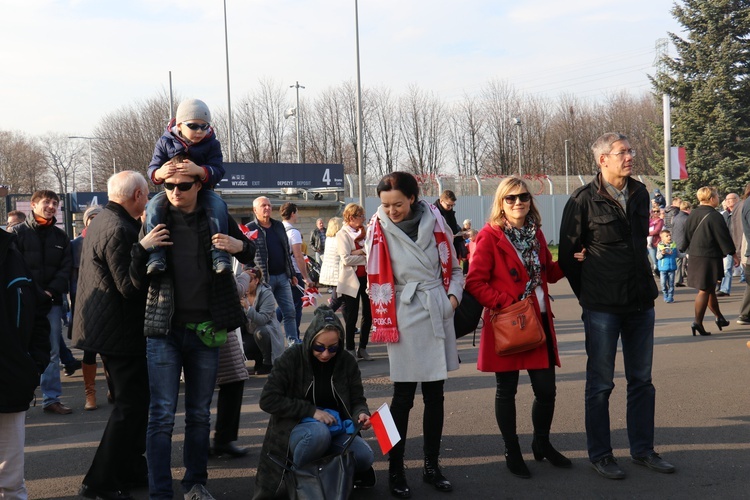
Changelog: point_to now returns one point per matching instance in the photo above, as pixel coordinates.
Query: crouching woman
(307, 379)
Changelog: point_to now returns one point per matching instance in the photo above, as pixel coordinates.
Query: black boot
(514, 459)
(397, 482)
(542, 449)
(431, 474)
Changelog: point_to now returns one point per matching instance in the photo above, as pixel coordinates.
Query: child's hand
(165, 171)
(189, 168)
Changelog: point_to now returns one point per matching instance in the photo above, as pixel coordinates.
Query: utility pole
(296, 119)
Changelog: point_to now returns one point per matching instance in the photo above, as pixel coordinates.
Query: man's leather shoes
(89, 492)
(58, 408)
(230, 449)
(654, 462)
(607, 467)
(397, 484)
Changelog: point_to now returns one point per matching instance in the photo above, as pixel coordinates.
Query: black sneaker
(365, 480)
(654, 462)
(71, 368)
(743, 320)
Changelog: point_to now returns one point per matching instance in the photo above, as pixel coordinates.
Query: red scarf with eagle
(382, 287)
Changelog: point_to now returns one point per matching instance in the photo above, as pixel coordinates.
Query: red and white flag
(385, 428)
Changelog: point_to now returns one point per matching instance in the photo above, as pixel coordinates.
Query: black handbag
(467, 315)
(328, 478)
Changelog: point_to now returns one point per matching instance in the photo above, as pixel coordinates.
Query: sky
(67, 64)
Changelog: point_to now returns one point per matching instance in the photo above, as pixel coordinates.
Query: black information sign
(282, 175)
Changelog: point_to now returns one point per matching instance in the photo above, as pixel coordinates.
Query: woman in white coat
(329, 270)
(415, 285)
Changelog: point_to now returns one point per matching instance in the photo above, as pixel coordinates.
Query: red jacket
(497, 277)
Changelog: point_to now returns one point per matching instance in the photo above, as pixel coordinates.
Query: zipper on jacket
(19, 294)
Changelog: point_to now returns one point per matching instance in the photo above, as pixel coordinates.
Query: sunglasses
(182, 186)
(511, 198)
(333, 349)
(196, 126)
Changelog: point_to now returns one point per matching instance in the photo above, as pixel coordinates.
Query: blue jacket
(206, 153)
(666, 256)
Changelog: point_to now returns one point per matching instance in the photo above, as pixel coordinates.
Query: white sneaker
(198, 492)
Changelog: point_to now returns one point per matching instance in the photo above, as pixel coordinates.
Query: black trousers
(351, 312)
(120, 459)
(228, 410)
(432, 418)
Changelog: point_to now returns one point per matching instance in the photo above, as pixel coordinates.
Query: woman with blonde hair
(511, 262)
(707, 240)
(329, 270)
(352, 283)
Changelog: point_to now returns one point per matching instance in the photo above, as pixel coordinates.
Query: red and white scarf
(382, 290)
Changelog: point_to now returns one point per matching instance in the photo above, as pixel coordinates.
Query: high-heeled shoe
(695, 327)
(722, 321)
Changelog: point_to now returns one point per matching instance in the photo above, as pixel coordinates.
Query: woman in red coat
(511, 261)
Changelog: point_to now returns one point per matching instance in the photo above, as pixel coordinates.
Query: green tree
(709, 87)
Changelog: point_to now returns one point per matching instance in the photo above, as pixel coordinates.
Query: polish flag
(385, 428)
(253, 235)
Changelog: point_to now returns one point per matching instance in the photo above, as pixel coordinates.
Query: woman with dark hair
(415, 285)
(707, 240)
(511, 262)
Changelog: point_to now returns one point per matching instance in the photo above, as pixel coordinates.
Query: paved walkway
(703, 411)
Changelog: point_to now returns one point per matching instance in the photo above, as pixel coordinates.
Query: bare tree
(467, 129)
(501, 103)
(62, 157)
(383, 131)
(21, 162)
(423, 131)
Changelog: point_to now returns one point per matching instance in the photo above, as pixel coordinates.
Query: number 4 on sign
(327, 176)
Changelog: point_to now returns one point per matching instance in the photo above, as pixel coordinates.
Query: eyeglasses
(630, 152)
(333, 349)
(197, 126)
(182, 186)
(511, 198)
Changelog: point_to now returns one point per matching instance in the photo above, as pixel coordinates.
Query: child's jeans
(218, 222)
(667, 285)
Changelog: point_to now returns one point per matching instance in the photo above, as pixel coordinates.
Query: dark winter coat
(24, 330)
(678, 229)
(710, 238)
(284, 397)
(261, 250)
(450, 218)
(616, 275)
(46, 251)
(109, 308)
(206, 154)
(225, 307)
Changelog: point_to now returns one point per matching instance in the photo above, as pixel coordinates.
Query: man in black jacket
(109, 321)
(606, 221)
(46, 251)
(24, 355)
(183, 307)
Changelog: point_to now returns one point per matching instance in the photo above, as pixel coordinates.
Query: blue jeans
(66, 357)
(50, 382)
(166, 357)
(667, 284)
(297, 299)
(726, 281)
(310, 441)
(652, 256)
(636, 331)
(282, 290)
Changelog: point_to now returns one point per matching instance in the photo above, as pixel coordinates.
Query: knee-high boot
(89, 384)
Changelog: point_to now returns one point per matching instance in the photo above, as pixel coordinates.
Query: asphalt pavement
(702, 415)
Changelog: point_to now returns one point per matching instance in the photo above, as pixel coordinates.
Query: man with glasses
(603, 254)
(187, 307)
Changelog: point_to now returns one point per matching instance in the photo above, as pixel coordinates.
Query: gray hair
(603, 144)
(122, 185)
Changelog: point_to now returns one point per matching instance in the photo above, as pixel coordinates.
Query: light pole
(360, 163)
(567, 183)
(517, 121)
(91, 163)
(296, 119)
(229, 99)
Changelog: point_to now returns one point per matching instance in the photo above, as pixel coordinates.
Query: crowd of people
(174, 303)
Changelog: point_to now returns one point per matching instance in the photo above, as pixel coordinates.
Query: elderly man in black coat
(109, 320)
